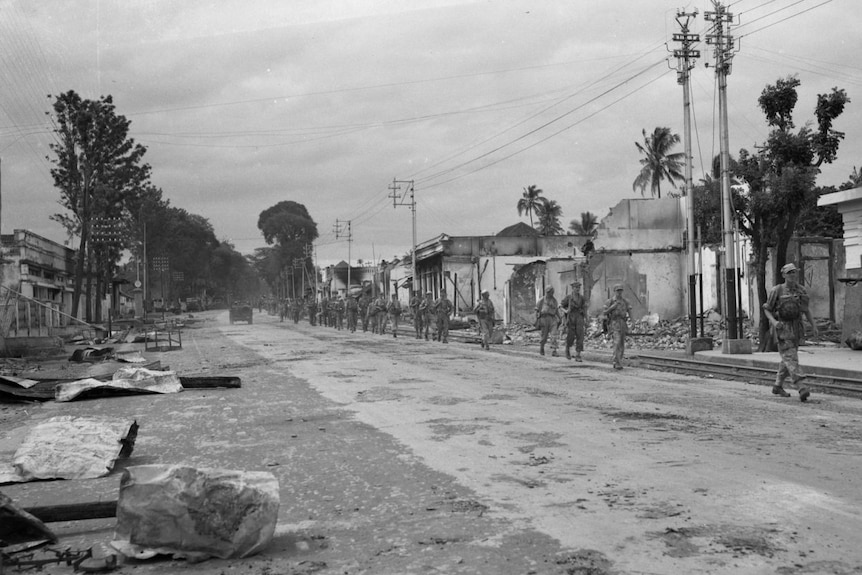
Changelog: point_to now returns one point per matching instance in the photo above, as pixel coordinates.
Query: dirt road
(404, 456)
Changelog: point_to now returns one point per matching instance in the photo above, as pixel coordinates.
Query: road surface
(398, 456)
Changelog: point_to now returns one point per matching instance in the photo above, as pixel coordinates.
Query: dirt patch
(719, 539)
(444, 429)
(586, 562)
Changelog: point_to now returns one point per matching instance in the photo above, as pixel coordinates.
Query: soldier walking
(785, 307)
(616, 311)
(426, 310)
(364, 304)
(394, 312)
(339, 313)
(352, 309)
(484, 311)
(415, 303)
(379, 317)
(312, 311)
(443, 308)
(575, 306)
(548, 321)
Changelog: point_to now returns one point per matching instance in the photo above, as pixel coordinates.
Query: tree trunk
(766, 342)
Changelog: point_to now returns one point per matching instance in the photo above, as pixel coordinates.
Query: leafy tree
(96, 168)
(549, 213)
(781, 176)
(822, 221)
(658, 163)
(287, 222)
(289, 226)
(232, 273)
(531, 202)
(586, 226)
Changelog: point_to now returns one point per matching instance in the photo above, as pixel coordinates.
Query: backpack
(788, 305)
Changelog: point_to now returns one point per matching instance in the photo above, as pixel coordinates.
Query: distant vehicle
(241, 312)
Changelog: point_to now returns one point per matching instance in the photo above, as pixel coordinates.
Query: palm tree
(658, 164)
(530, 202)
(587, 226)
(549, 213)
(856, 177)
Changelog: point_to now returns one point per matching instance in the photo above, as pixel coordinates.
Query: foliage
(658, 163)
(97, 168)
(587, 225)
(781, 175)
(289, 226)
(549, 213)
(531, 202)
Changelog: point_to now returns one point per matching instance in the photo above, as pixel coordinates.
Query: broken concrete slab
(67, 447)
(195, 513)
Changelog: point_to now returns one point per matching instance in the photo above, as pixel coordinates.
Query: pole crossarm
(402, 199)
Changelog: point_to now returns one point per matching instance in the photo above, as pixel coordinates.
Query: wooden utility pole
(724, 51)
(402, 199)
(685, 62)
(343, 230)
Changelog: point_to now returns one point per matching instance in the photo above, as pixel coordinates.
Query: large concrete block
(696, 344)
(736, 346)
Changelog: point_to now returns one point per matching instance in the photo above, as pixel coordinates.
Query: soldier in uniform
(312, 311)
(394, 312)
(443, 308)
(484, 310)
(616, 311)
(351, 307)
(785, 307)
(415, 302)
(339, 313)
(364, 304)
(379, 317)
(295, 310)
(548, 321)
(575, 306)
(426, 310)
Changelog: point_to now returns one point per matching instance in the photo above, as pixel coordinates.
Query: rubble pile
(650, 332)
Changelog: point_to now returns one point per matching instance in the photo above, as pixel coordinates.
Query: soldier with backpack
(785, 307)
(484, 311)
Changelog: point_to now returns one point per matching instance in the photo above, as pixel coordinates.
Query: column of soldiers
(377, 314)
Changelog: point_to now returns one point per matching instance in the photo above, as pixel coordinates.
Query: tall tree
(550, 213)
(530, 202)
(782, 175)
(586, 226)
(289, 226)
(658, 163)
(96, 167)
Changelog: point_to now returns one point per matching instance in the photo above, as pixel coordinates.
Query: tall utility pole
(724, 50)
(402, 200)
(685, 57)
(342, 230)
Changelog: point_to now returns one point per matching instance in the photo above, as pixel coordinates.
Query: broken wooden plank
(207, 382)
(19, 525)
(74, 511)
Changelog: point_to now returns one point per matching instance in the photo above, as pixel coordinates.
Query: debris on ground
(68, 447)
(195, 513)
(124, 381)
(18, 526)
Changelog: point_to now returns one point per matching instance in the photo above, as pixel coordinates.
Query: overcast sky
(243, 104)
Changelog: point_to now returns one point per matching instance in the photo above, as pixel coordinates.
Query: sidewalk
(815, 360)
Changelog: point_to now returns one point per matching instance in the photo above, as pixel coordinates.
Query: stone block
(696, 344)
(736, 346)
